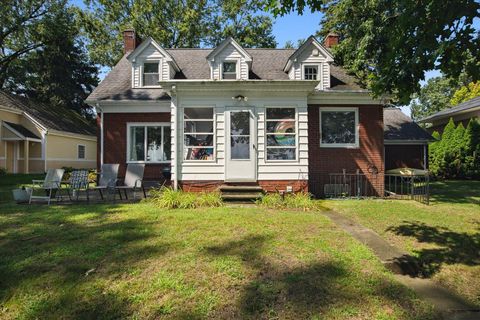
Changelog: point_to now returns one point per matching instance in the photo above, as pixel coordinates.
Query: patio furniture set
(53, 187)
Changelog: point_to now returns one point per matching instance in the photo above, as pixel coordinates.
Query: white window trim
(214, 134)
(84, 151)
(237, 69)
(297, 151)
(141, 67)
(309, 65)
(340, 145)
(145, 124)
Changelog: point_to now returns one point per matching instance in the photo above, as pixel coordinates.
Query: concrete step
(241, 196)
(240, 188)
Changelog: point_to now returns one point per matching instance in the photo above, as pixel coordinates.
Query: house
(282, 119)
(461, 113)
(35, 137)
(406, 143)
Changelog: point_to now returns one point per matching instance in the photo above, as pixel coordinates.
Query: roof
(22, 130)
(267, 64)
(400, 127)
(466, 106)
(51, 117)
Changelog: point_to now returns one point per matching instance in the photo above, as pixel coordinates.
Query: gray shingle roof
(55, 118)
(399, 127)
(22, 130)
(267, 64)
(465, 106)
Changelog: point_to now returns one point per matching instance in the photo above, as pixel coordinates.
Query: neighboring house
(280, 118)
(35, 137)
(461, 113)
(406, 143)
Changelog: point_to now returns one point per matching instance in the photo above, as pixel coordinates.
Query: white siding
(215, 170)
(229, 53)
(307, 58)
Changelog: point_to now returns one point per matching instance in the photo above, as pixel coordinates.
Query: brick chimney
(331, 40)
(130, 40)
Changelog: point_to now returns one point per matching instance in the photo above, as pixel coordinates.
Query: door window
(240, 135)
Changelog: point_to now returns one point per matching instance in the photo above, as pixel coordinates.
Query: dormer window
(229, 70)
(310, 73)
(150, 74)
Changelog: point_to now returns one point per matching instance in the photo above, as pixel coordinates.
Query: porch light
(240, 98)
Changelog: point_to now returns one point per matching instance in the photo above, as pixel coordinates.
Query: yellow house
(35, 137)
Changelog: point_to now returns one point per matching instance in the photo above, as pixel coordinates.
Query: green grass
(444, 236)
(137, 261)
(12, 181)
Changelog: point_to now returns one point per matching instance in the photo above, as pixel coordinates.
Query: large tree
(390, 45)
(59, 71)
(20, 29)
(174, 24)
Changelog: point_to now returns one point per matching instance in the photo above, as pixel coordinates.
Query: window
(281, 134)
(339, 127)
(81, 151)
(149, 142)
(198, 133)
(310, 72)
(150, 74)
(229, 70)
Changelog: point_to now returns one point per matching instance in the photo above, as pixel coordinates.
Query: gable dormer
(310, 62)
(150, 64)
(229, 61)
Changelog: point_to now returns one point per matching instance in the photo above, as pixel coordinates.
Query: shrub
(172, 199)
(299, 200)
(3, 172)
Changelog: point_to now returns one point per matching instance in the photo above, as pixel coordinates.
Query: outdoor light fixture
(239, 98)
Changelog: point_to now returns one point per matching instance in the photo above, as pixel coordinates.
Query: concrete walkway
(448, 304)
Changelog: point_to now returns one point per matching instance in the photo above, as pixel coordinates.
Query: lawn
(444, 236)
(137, 261)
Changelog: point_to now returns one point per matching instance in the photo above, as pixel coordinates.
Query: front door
(241, 155)
(11, 157)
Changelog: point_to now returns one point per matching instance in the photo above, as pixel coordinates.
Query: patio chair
(108, 176)
(133, 180)
(50, 185)
(78, 181)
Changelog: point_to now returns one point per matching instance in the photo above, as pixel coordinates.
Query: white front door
(241, 153)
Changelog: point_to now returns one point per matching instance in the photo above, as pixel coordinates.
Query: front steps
(240, 192)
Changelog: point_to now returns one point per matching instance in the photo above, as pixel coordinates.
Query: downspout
(173, 112)
(45, 135)
(425, 158)
(97, 106)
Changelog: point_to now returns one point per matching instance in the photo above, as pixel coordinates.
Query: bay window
(198, 133)
(281, 133)
(339, 127)
(150, 143)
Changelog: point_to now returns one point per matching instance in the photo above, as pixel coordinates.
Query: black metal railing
(412, 187)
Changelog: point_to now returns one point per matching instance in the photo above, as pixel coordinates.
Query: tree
(59, 72)
(173, 24)
(434, 96)
(465, 93)
(20, 32)
(236, 19)
(390, 45)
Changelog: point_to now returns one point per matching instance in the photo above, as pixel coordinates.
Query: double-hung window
(229, 70)
(339, 127)
(151, 75)
(310, 73)
(281, 133)
(149, 142)
(81, 151)
(198, 133)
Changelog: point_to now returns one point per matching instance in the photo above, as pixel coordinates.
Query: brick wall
(115, 140)
(281, 185)
(404, 156)
(323, 161)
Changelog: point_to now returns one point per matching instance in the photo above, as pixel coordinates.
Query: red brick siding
(199, 185)
(115, 140)
(404, 156)
(281, 185)
(323, 161)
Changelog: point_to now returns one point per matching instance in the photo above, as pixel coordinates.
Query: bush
(299, 200)
(177, 199)
(3, 172)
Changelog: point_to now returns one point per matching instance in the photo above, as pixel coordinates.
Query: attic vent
(315, 52)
